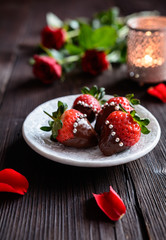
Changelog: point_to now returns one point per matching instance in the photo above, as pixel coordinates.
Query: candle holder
(146, 51)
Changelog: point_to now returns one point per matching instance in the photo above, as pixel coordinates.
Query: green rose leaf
(104, 37)
(85, 37)
(101, 38)
(73, 49)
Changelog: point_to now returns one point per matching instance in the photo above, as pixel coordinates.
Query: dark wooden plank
(12, 19)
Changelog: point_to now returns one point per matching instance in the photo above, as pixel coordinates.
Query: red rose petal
(158, 91)
(111, 204)
(12, 181)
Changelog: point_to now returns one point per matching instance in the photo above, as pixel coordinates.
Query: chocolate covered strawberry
(71, 128)
(89, 102)
(113, 105)
(121, 130)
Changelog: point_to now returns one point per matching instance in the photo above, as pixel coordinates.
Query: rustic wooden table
(59, 203)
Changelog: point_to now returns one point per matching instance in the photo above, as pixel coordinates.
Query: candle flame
(148, 59)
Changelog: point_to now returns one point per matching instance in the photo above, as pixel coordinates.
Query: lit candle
(147, 49)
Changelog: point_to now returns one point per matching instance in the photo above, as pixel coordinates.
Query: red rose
(53, 37)
(94, 62)
(46, 69)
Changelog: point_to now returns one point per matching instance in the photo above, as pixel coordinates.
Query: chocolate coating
(102, 116)
(86, 110)
(107, 143)
(85, 136)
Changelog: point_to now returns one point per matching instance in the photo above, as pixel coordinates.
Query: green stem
(70, 59)
(46, 50)
(73, 33)
(50, 115)
(112, 57)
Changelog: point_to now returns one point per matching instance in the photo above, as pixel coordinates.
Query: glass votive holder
(146, 49)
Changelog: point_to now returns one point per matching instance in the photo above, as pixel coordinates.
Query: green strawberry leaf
(61, 109)
(143, 122)
(93, 90)
(132, 113)
(144, 130)
(101, 93)
(85, 90)
(132, 100)
(102, 102)
(46, 128)
(96, 92)
(56, 124)
(50, 123)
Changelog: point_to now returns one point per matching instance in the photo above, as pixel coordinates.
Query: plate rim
(41, 150)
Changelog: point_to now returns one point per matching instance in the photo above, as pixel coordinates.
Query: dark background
(59, 204)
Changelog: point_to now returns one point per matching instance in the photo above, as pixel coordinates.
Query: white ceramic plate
(40, 141)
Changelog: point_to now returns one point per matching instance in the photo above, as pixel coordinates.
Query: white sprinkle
(86, 105)
(117, 140)
(81, 116)
(106, 104)
(74, 130)
(113, 133)
(79, 102)
(120, 144)
(112, 103)
(75, 124)
(117, 108)
(91, 105)
(107, 122)
(85, 115)
(110, 126)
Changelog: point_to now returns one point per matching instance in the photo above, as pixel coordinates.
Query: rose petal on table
(158, 91)
(111, 204)
(12, 181)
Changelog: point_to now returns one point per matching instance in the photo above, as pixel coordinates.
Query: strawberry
(121, 131)
(113, 105)
(71, 128)
(89, 102)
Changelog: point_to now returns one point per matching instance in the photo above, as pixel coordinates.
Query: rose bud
(53, 37)
(46, 69)
(94, 62)
(111, 204)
